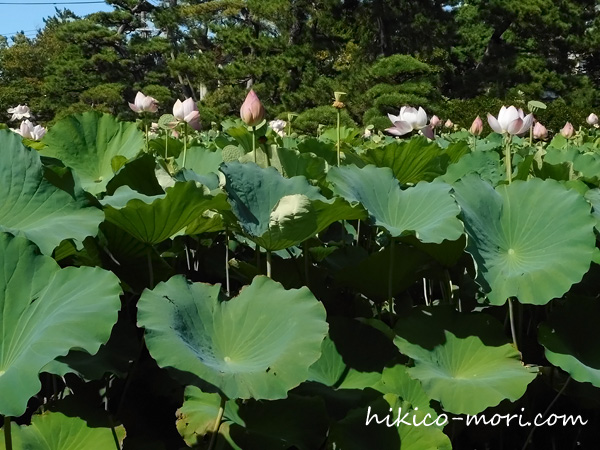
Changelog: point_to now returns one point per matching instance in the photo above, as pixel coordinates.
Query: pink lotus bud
(187, 111)
(252, 111)
(476, 127)
(568, 131)
(592, 119)
(143, 103)
(435, 122)
(539, 131)
(448, 124)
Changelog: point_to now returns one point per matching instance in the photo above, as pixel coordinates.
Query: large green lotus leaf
(278, 212)
(55, 431)
(587, 163)
(294, 164)
(153, 219)
(486, 164)
(201, 160)
(88, 143)
(294, 422)
(593, 197)
(427, 209)
(410, 403)
(47, 311)
(411, 161)
(459, 360)
(33, 207)
(530, 239)
(257, 345)
(570, 336)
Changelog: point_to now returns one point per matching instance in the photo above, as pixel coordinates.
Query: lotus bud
(592, 119)
(476, 126)
(187, 111)
(252, 111)
(568, 131)
(435, 122)
(19, 112)
(28, 131)
(539, 131)
(448, 124)
(143, 103)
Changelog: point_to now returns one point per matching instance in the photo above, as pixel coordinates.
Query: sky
(29, 18)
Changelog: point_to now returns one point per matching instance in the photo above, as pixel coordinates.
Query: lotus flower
(410, 119)
(18, 112)
(476, 126)
(449, 124)
(143, 103)
(510, 120)
(435, 122)
(187, 111)
(568, 131)
(539, 131)
(278, 126)
(28, 131)
(592, 119)
(252, 111)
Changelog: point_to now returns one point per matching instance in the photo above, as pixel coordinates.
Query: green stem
(511, 315)
(7, 433)
(269, 263)
(338, 137)
(166, 145)
(390, 278)
(185, 133)
(150, 270)
(507, 160)
(147, 147)
(215, 431)
(254, 144)
(528, 440)
(531, 135)
(227, 262)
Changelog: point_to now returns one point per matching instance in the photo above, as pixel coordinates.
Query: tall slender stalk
(146, 129)
(507, 159)
(338, 136)
(390, 279)
(7, 433)
(215, 430)
(269, 263)
(185, 134)
(227, 287)
(254, 144)
(511, 315)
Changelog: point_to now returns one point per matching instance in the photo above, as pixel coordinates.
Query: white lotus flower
(28, 131)
(510, 120)
(187, 111)
(144, 103)
(18, 112)
(410, 119)
(278, 126)
(592, 119)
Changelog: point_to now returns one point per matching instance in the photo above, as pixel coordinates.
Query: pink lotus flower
(18, 112)
(449, 124)
(435, 122)
(592, 119)
(410, 119)
(568, 131)
(187, 111)
(143, 103)
(252, 111)
(510, 120)
(476, 127)
(28, 131)
(539, 131)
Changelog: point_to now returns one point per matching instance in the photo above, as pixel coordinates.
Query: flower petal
(494, 124)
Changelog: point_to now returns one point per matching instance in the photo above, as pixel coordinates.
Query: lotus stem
(150, 270)
(215, 431)
(511, 315)
(358, 232)
(185, 132)
(530, 435)
(166, 145)
(7, 433)
(227, 287)
(146, 127)
(425, 295)
(254, 144)
(507, 160)
(269, 263)
(390, 278)
(338, 137)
